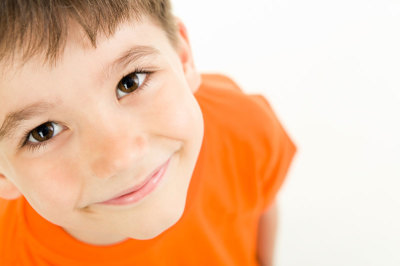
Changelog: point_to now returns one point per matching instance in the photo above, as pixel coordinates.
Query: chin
(152, 230)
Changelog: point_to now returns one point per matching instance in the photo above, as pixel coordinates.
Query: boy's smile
(99, 124)
(140, 190)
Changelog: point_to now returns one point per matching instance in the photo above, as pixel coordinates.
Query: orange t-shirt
(243, 161)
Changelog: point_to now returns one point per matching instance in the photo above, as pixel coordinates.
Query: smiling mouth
(141, 190)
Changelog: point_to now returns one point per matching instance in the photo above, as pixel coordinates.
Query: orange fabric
(243, 161)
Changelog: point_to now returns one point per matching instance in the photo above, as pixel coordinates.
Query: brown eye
(130, 83)
(44, 132)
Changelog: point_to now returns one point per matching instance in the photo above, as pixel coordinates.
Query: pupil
(43, 131)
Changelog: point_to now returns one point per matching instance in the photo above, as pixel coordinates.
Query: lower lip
(145, 190)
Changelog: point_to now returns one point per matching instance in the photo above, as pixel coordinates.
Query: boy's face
(104, 137)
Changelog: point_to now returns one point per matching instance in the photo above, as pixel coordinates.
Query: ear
(184, 50)
(7, 189)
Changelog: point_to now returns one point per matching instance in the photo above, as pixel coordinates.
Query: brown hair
(34, 27)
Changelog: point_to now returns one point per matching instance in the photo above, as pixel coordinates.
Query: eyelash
(36, 146)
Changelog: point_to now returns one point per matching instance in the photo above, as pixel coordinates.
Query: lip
(139, 191)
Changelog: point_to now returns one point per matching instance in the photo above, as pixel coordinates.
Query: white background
(331, 70)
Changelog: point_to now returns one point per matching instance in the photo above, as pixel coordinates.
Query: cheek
(48, 185)
(176, 113)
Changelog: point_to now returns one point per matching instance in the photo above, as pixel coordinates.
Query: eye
(44, 132)
(130, 83)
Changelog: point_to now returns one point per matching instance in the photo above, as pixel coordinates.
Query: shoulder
(245, 116)
(247, 137)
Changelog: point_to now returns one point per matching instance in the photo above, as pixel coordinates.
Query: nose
(112, 152)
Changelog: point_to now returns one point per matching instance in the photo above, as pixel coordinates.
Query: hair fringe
(40, 27)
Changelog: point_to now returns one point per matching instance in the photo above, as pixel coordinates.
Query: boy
(116, 151)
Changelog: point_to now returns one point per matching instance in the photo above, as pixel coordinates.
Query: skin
(106, 144)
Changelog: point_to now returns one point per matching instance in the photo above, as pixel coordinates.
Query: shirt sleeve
(276, 152)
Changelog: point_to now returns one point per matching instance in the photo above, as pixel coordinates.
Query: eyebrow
(13, 120)
(133, 54)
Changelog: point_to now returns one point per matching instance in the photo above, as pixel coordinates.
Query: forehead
(78, 46)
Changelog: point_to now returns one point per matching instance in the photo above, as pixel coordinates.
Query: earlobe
(7, 189)
(193, 77)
